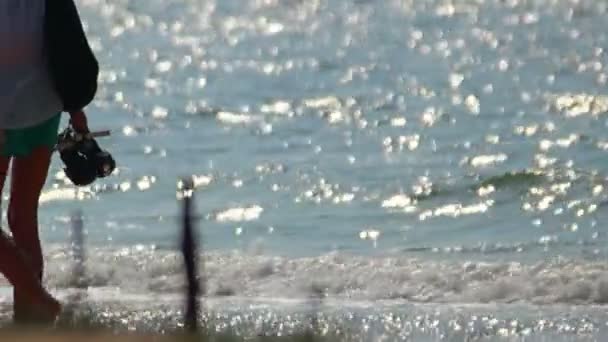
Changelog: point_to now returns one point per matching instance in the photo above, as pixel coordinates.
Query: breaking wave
(147, 270)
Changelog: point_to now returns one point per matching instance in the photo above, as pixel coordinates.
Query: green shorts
(22, 141)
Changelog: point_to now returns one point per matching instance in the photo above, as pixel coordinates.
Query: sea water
(433, 169)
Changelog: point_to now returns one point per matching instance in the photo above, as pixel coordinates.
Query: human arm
(78, 120)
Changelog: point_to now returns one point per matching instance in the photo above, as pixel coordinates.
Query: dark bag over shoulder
(73, 66)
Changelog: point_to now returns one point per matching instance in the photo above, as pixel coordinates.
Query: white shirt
(27, 95)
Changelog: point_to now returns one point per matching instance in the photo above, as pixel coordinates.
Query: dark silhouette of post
(316, 302)
(78, 252)
(190, 253)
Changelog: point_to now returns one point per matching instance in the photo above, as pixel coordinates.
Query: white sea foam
(343, 277)
(397, 201)
(235, 118)
(239, 214)
(487, 160)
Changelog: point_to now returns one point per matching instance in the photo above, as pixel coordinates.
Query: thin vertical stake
(190, 250)
(78, 250)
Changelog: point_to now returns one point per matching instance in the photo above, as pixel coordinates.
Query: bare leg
(19, 273)
(28, 177)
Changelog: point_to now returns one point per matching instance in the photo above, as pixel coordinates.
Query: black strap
(73, 66)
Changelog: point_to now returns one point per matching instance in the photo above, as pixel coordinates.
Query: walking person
(39, 41)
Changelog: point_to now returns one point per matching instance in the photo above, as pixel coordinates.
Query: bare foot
(51, 307)
(43, 310)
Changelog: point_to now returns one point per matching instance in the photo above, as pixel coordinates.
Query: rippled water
(416, 151)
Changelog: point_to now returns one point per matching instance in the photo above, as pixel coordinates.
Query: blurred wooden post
(317, 294)
(190, 253)
(78, 252)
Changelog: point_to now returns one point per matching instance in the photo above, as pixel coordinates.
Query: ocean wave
(340, 276)
(523, 178)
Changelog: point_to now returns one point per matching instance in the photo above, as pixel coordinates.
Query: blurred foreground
(82, 336)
